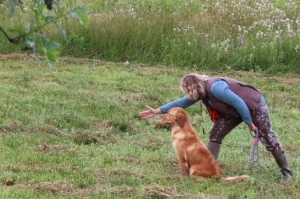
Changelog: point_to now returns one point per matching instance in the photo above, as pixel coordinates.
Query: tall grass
(218, 35)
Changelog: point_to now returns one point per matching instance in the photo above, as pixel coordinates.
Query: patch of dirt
(39, 167)
(61, 60)
(158, 191)
(68, 189)
(101, 124)
(133, 98)
(103, 132)
(48, 129)
(85, 138)
(49, 149)
(115, 173)
(71, 190)
(10, 127)
(236, 73)
(8, 182)
(17, 56)
(52, 130)
(288, 81)
(150, 143)
(73, 60)
(129, 160)
(123, 191)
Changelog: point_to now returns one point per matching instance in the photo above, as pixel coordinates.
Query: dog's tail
(242, 178)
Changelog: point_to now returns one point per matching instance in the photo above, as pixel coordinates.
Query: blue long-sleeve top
(220, 90)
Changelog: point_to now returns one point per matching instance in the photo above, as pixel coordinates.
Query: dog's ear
(181, 119)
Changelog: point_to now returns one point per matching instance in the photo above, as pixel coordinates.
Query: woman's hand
(151, 112)
(252, 127)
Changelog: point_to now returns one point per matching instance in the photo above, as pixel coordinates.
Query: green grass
(74, 132)
(216, 35)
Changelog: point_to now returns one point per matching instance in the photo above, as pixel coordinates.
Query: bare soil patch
(10, 127)
(67, 189)
(49, 149)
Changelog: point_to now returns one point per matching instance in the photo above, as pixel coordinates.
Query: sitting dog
(193, 156)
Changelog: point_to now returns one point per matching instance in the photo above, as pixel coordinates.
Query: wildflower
(297, 48)
(241, 40)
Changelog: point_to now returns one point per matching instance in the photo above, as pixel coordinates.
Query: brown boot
(214, 149)
(283, 164)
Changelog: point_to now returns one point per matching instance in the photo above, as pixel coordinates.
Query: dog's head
(175, 117)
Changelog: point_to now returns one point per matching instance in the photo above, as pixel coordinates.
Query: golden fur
(193, 156)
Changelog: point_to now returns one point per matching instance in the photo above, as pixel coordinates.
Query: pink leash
(254, 151)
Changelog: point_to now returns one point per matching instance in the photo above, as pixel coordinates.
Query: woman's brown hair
(193, 85)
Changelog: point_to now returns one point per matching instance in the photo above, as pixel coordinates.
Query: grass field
(74, 132)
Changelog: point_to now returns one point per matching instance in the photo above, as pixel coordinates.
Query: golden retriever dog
(193, 156)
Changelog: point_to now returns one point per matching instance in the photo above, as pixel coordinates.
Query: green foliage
(31, 30)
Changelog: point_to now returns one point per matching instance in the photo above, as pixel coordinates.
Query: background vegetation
(74, 132)
(261, 36)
